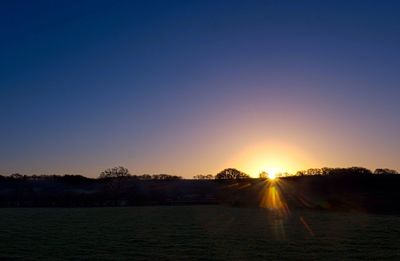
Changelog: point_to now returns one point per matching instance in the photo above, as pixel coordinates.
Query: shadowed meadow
(195, 232)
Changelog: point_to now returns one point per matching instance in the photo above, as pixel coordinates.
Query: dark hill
(369, 193)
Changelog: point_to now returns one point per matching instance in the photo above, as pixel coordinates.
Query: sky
(192, 87)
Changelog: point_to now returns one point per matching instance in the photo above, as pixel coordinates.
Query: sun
(272, 173)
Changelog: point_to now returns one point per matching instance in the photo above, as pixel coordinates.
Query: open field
(195, 232)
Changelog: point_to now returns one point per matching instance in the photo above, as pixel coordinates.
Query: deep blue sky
(189, 87)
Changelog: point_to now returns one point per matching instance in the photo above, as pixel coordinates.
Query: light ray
(273, 200)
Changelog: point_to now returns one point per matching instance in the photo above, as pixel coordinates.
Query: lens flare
(273, 200)
(272, 197)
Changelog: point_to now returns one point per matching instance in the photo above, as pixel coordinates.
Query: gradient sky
(191, 87)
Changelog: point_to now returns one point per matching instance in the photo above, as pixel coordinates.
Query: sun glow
(272, 173)
(272, 157)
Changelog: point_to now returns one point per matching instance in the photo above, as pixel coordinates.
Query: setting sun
(272, 157)
(272, 172)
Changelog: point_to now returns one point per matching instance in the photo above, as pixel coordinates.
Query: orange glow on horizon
(273, 158)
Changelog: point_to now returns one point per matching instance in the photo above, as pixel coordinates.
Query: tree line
(232, 173)
(335, 188)
(226, 174)
(345, 171)
(122, 172)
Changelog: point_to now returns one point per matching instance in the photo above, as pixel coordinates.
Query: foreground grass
(195, 232)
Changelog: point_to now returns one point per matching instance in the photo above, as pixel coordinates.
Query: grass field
(195, 232)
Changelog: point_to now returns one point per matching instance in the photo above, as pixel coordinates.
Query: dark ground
(195, 233)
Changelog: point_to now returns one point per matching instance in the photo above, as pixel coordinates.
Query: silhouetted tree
(301, 173)
(313, 172)
(263, 175)
(385, 171)
(144, 177)
(203, 177)
(16, 176)
(165, 177)
(115, 182)
(334, 171)
(231, 173)
(359, 171)
(115, 172)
